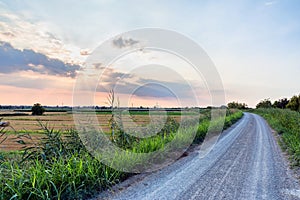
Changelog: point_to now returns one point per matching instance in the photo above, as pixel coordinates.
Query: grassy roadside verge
(287, 125)
(63, 169)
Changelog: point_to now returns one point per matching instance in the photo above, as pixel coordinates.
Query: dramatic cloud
(159, 88)
(22, 33)
(14, 60)
(131, 84)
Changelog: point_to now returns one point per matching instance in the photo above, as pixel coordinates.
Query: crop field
(62, 121)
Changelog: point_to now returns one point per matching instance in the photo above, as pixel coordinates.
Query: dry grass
(58, 121)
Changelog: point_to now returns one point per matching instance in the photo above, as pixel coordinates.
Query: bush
(264, 104)
(281, 103)
(294, 103)
(237, 105)
(37, 109)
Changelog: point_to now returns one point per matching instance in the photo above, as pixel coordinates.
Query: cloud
(97, 65)
(23, 33)
(85, 52)
(35, 80)
(131, 84)
(159, 88)
(155, 89)
(123, 42)
(14, 60)
(19, 81)
(8, 34)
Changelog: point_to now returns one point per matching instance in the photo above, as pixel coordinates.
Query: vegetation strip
(287, 125)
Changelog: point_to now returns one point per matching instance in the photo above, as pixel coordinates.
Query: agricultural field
(60, 167)
(63, 121)
(30, 124)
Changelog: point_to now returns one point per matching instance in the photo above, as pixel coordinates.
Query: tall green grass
(61, 168)
(287, 124)
(77, 177)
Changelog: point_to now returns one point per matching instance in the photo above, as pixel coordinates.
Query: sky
(254, 45)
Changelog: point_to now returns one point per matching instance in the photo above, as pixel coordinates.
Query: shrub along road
(246, 163)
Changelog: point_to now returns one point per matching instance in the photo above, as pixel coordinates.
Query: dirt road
(246, 163)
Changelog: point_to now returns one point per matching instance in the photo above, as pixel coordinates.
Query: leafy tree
(281, 103)
(294, 103)
(37, 109)
(237, 105)
(266, 103)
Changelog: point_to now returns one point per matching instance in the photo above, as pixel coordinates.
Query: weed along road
(246, 163)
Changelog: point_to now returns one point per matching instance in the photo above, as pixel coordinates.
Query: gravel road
(246, 163)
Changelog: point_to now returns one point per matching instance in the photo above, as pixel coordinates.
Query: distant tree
(294, 103)
(237, 105)
(281, 103)
(266, 103)
(37, 109)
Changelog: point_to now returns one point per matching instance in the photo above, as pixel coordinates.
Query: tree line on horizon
(284, 103)
(292, 103)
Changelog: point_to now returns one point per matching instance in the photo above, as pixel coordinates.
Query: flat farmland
(29, 125)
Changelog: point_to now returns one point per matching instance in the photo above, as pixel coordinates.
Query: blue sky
(255, 45)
